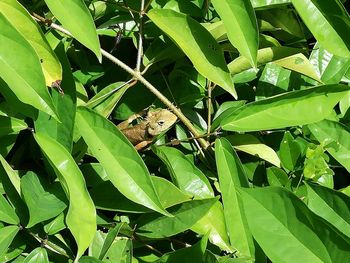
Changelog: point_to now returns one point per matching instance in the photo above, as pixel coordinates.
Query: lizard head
(159, 121)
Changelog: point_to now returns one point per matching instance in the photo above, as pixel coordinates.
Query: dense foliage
(255, 169)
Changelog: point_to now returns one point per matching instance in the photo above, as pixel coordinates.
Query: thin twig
(140, 42)
(147, 5)
(209, 101)
(137, 75)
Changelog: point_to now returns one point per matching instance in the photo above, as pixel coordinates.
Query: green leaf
(289, 109)
(19, 17)
(329, 23)
(268, 3)
(330, 68)
(65, 104)
(7, 213)
(42, 202)
(186, 255)
(115, 153)
(26, 82)
(231, 174)
(276, 216)
(251, 145)
(192, 181)
(299, 63)
(213, 223)
(38, 255)
(82, 29)
(277, 177)
(9, 125)
(184, 217)
(197, 43)
(336, 137)
(55, 225)
(331, 205)
(184, 173)
(81, 216)
(111, 235)
(7, 234)
(241, 26)
(290, 152)
(105, 101)
(265, 55)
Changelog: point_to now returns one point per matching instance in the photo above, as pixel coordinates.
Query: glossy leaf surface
(289, 221)
(7, 234)
(184, 217)
(331, 205)
(241, 26)
(10, 125)
(329, 23)
(38, 255)
(25, 24)
(336, 137)
(197, 43)
(81, 216)
(83, 29)
(42, 204)
(286, 110)
(116, 153)
(231, 174)
(24, 76)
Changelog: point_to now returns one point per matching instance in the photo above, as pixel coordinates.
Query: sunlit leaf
(20, 68)
(241, 26)
(25, 24)
(81, 215)
(115, 153)
(197, 43)
(82, 29)
(288, 109)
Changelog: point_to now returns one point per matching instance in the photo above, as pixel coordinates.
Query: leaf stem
(140, 42)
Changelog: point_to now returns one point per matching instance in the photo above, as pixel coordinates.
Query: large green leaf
(329, 67)
(65, 104)
(289, 109)
(20, 68)
(331, 205)
(107, 197)
(38, 255)
(25, 24)
(329, 22)
(10, 125)
(268, 3)
(241, 26)
(286, 229)
(336, 137)
(7, 213)
(7, 234)
(186, 255)
(81, 215)
(185, 216)
(42, 203)
(105, 101)
(82, 29)
(253, 146)
(122, 163)
(197, 43)
(265, 55)
(192, 181)
(184, 173)
(231, 174)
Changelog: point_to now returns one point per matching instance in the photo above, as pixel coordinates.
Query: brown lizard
(154, 123)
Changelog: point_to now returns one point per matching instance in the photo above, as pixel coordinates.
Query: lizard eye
(160, 123)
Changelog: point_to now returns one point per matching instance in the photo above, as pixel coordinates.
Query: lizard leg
(142, 145)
